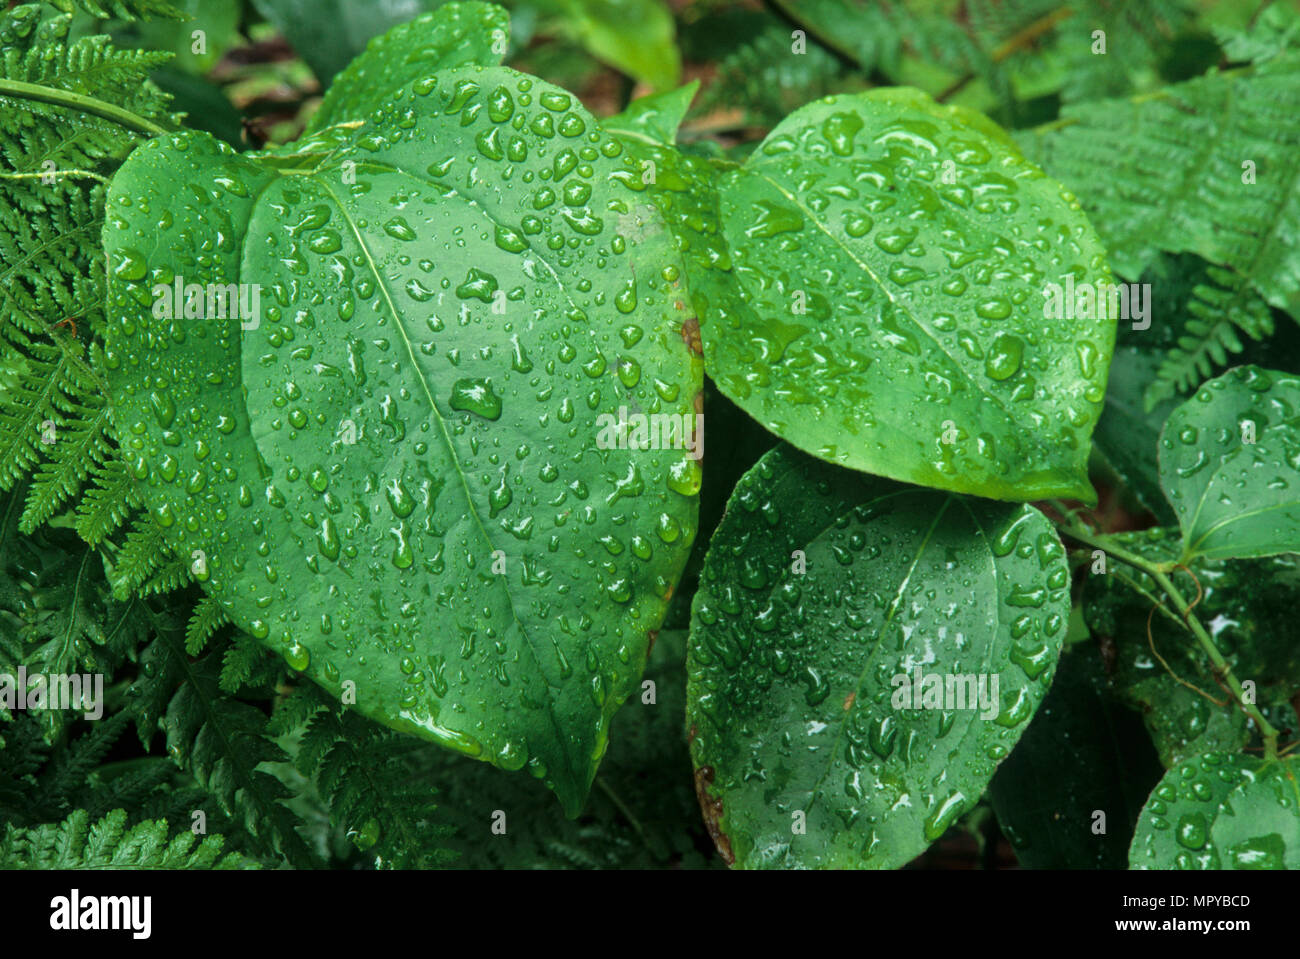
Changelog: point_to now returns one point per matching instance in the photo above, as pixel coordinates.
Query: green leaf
(637, 37)
(1230, 465)
(897, 318)
(823, 594)
(218, 21)
(401, 480)
(1083, 753)
(328, 34)
(655, 118)
(1258, 825)
(1221, 811)
(456, 34)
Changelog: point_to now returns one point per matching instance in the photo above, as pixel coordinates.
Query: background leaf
(328, 34)
(1083, 753)
(454, 35)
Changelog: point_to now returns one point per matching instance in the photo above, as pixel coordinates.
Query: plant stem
(81, 103)
(621, 807)
(1159, 572)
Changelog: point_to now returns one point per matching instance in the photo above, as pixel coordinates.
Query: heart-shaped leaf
(1221, 811)
(1230, 465)
(896, 256)
(407, 474)
(863, 654)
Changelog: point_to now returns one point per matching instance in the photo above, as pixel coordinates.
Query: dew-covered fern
(121, 9)
(220, 740)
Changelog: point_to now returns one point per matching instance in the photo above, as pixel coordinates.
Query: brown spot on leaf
(711, 808)
(691, 336)
(848, 700)
(690, 735)
(653, 635)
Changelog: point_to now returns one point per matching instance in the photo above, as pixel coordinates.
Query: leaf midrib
(381, 281)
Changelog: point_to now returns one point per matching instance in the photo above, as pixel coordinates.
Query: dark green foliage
(109, 844)
(369, 778)
(258, 766)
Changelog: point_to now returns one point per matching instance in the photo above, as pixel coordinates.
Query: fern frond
(143, 553)
(761, 77)
(122, 9)
(76, 843)
(362, 771)
(1220, 308)
(106, 503)
(242, 662)
(79, 442)
(1210, 167)
(74, 108)
(207, 618)
(70, 623)
(220, 740)
(1270, 31)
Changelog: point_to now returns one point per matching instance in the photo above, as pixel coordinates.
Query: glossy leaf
(1230, 465)
(1221, 811)
(683, 187)
(1258, 826)
(895, 255)
(823, 591)
(397, 479)
(1083, 753)
(456, 34)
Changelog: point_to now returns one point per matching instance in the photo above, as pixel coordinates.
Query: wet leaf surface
(1230, 465)
(894, 257)
(821, 592)
(394, 475)
(1221, 811)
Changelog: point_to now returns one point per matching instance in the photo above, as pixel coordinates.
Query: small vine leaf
(1230, 465)
(1221, 811)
